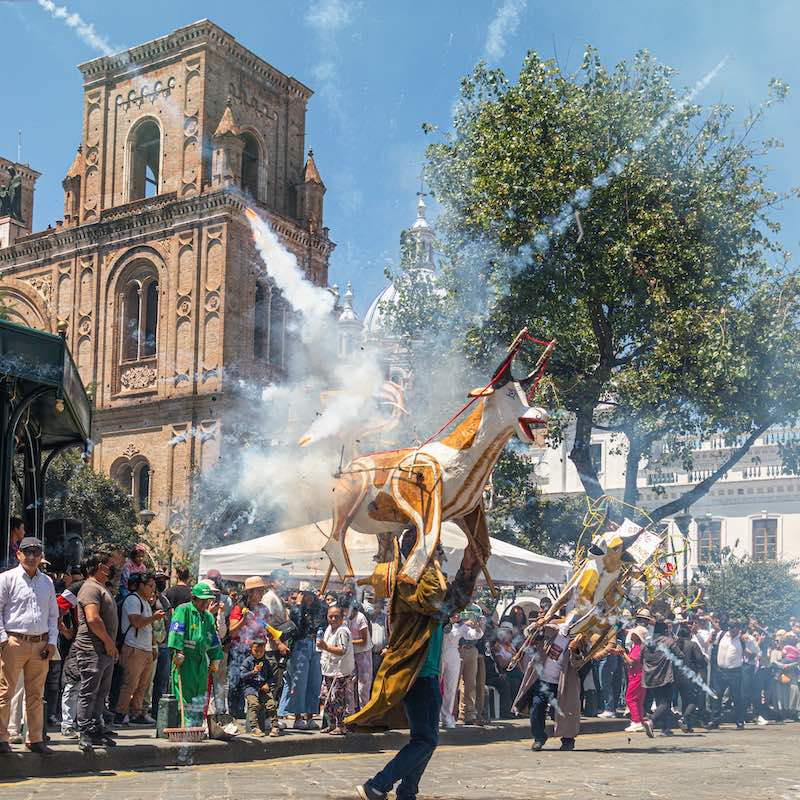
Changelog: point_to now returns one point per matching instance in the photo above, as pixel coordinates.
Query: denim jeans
(608, 667)
(303, 680)
(161, 678)
(543, 695)
(422, 705)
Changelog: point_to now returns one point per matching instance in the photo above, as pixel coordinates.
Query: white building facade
(754, 509)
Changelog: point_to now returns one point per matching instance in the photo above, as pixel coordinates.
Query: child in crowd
(258, 681)
(338, 668)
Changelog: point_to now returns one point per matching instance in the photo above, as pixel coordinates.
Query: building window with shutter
(765, 539)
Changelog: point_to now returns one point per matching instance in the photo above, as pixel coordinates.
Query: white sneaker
(635, 727)
(606, 714)
(282, 724)
(762, 721)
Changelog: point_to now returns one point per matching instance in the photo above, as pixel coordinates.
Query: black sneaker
(5, 747)
(86, 743)
(367, 792)
(102, 740)
(40, 748)
(567, 744)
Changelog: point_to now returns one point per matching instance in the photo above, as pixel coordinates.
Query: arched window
(145, 160)
(261, 322)
(134, 479)
(277, 329)
(142, 485)
(251, 155)
(139, 316)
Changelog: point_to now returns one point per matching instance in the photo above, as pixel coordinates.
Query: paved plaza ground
(756, 764)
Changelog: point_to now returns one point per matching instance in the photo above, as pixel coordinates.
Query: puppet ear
(481, 392)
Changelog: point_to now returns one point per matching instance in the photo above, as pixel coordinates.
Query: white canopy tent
(299, 551)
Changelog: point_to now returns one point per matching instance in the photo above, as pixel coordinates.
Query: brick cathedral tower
(153, 268)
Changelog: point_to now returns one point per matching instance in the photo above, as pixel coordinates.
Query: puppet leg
(417, 491)
(348, 494)
(477, 533)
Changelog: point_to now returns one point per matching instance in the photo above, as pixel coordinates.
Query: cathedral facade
(166, 305)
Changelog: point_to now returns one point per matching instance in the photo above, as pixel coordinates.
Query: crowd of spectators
(98, 646)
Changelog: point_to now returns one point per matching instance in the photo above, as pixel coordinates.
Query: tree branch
(702, 488)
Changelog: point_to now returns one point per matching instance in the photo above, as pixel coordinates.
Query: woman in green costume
(195, 649)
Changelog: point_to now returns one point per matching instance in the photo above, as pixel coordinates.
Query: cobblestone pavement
(724, 765)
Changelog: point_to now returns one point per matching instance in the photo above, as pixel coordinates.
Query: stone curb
(153, 754)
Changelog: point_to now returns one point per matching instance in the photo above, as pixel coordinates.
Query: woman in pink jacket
(634, 696)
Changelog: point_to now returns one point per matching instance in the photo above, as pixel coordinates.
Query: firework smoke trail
(686, 670)
(581, 198)
(314, 303)
(85, 30)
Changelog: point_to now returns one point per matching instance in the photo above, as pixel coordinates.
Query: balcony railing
(657, 478)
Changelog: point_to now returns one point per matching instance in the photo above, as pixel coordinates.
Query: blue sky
(382, 68)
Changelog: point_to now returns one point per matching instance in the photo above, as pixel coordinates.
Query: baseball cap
(202, 591)
(30, 541)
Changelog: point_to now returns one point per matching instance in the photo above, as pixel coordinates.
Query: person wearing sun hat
(195, 649)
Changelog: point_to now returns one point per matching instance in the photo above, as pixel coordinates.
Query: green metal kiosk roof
(38, 359)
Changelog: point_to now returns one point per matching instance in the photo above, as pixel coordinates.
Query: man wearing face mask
(95, 649)
(28, 636)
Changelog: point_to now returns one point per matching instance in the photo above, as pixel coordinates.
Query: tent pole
(324, 587)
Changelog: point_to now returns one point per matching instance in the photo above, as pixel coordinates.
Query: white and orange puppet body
(443, 479)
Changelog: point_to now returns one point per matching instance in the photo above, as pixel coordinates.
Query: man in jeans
(137, 654)
(95, 650)
(28, 636)
(409, 673)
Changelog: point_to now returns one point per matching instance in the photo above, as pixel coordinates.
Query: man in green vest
(195, 649)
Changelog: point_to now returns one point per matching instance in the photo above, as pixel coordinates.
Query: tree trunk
(581, 454)
(702, 488)
(631, 496)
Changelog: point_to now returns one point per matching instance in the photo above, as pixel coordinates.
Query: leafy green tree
(635, 227)
(73, 489)
(768, 590)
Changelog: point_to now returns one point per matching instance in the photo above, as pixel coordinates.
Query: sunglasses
(32, 551)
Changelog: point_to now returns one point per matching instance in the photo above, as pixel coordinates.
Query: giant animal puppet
(444, 479)
(591, 598)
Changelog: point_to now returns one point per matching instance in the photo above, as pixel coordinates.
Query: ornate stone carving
(146, 95)
(184, 306)
(130, 451)
(212, 301)
(85, 326)
(138, 378)
(43, 286)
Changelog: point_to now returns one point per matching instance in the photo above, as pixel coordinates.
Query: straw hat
(645, 613)
(254, 582)
(641, 632)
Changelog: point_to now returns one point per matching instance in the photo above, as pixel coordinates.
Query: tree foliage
(74, 490)
(768, 590)
(635, 227)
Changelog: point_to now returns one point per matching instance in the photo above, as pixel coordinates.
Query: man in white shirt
(730, 655)
(137, 654)
(28, 636)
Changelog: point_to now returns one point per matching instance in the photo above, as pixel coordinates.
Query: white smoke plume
(504, 25)
(314, 418)
(85, 30)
